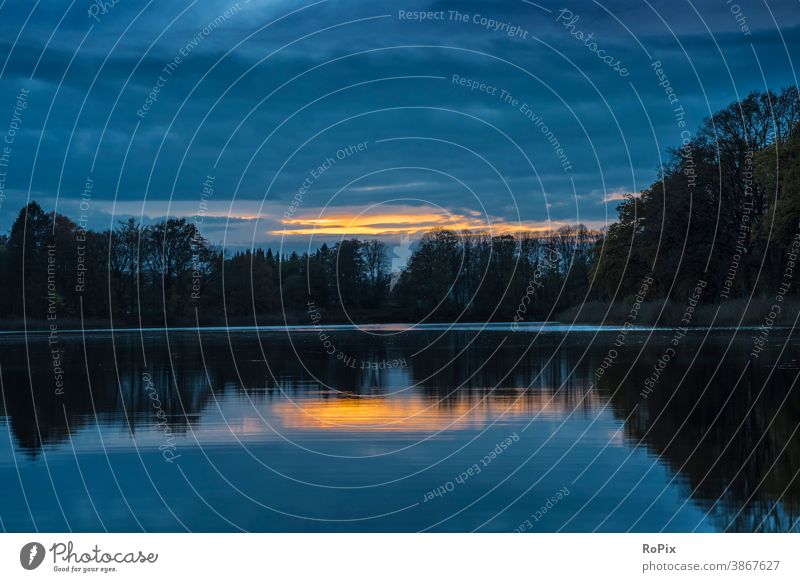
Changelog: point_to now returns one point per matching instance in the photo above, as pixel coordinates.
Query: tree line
(53, 269)
(725, 209)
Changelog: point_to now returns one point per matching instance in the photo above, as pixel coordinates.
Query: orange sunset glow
(406, 221)
(415, 413)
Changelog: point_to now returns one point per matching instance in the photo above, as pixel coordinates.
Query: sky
(288, 124)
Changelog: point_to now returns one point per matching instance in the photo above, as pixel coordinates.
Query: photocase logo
(31, 555)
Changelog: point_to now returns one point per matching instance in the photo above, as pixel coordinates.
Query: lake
(399, 428)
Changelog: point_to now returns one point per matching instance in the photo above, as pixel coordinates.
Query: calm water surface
(343, 429)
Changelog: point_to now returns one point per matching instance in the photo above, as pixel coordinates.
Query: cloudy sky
(272, 120)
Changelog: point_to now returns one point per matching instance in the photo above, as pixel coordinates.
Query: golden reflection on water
(415, 413)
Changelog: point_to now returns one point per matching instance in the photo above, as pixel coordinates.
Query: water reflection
(415, 413)
(714, 446)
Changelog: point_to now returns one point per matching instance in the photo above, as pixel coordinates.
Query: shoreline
(537, 326)
(735, 314)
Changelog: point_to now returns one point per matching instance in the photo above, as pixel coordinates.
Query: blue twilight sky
(264, 104)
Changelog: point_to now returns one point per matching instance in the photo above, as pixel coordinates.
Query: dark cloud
(264, 96)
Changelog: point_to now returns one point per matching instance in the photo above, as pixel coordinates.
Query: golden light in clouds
(405, 221)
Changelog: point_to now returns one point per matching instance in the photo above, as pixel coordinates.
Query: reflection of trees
(482, 369)
(119, 395)
(739, 475)
(746, 478)
(34, 408)
(184, 387)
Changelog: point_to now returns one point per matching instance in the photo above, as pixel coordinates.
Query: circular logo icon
(31, 555)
